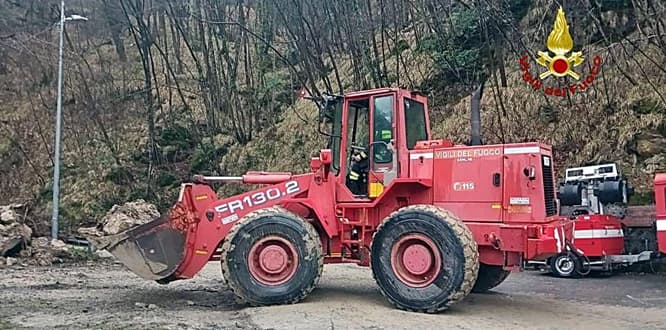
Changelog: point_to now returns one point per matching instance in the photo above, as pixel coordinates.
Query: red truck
(608, 234)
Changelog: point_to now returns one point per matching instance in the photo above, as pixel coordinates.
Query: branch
(277, 52)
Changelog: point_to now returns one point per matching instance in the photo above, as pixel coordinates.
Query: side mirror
(326, 104)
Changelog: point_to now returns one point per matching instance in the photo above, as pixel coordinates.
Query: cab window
(358, 123)
(415, 123)
(383, 129)
(334, 142)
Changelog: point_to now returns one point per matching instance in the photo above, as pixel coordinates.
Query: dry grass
(610, 122)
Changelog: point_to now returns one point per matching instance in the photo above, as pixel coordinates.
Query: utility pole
(58, 131)
(56, 159)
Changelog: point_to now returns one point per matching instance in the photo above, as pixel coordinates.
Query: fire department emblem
(560, 43)
(560, 61)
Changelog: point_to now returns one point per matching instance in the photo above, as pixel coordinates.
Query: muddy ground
(105, 295)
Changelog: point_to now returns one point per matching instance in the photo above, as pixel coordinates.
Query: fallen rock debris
(17, 246)
(121, 218)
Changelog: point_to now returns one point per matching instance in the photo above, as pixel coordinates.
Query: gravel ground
(105, 295)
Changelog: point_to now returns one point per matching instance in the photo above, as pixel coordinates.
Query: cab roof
(381, 90)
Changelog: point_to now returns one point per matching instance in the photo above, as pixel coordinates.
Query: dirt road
(108, 296)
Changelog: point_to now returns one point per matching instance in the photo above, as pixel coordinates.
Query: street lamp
(56, 167)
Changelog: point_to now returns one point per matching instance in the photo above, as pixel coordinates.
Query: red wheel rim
(272, 260)
(415, 260)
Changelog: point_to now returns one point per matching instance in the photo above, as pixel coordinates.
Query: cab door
(355, 135)
(383, 159)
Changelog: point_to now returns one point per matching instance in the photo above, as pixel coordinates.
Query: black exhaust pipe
(476, 116)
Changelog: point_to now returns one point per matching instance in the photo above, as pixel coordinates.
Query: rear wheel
(489, 277)
(424, 259)
(272, 257)
(565, 265)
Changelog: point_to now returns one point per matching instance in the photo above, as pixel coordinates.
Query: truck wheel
(271, 257)
(565, 265)
(489, 277)
(424, 259)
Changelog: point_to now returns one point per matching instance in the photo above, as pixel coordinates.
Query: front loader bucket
(153, 250)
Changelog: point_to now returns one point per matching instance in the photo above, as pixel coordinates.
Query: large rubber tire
(455, 270)
(565, 265)
(489, 277)
(276, 225)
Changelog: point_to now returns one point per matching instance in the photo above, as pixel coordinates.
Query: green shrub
(647, 106)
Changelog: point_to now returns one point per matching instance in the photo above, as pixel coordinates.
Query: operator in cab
(357, 179)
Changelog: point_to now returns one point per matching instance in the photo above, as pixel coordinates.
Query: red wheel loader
(433, 220)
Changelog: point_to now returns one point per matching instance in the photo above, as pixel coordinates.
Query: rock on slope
(18, 246)
(123, 217)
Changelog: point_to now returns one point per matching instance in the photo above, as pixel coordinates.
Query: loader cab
(382, 124)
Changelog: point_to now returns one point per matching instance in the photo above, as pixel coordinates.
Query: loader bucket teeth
(153, 250)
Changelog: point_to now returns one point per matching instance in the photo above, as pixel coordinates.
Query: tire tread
(311, 241)
(470, 250)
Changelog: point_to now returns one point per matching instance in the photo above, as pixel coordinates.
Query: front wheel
(271, 257)
(424, 259)
(565, 265)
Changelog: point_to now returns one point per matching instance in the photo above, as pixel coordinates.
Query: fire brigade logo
(560, 61)
(560, 43)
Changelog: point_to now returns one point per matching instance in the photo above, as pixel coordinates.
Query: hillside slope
(154, 94)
